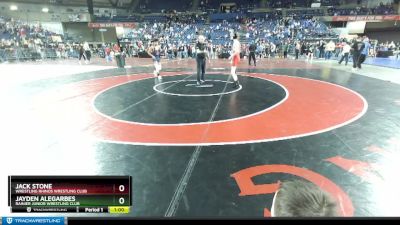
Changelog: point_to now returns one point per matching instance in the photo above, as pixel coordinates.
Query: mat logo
(244, 179)
(9, 220)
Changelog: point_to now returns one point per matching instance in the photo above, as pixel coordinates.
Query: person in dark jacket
(357, 49)
(201, 55)
(364, 52)
(252, 53)
(81, 53)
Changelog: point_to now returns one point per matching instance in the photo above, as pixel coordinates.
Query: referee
(252, 54)
(201, 55)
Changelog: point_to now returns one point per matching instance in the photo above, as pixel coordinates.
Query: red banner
(107, 25)
(366, 18)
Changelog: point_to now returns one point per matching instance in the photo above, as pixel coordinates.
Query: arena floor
(210, 151)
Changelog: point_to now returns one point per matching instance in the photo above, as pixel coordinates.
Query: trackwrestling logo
(34, 220)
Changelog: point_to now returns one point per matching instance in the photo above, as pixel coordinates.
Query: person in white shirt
(392, 45)
(297, 49)
(235, 57)
(345, 53)
(310, 52)
(154, 51)
(88, 54)
(273, 49)
(329, 48)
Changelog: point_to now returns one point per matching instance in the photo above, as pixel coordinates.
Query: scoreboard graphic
(70, 194)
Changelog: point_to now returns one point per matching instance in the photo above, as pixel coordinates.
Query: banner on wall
(366, 18)
(356, 27)
(78, 17)
(316, 5)
(107, 25)
(56, 38)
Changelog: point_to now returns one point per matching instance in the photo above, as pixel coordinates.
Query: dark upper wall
(384, 31)
(384, 36)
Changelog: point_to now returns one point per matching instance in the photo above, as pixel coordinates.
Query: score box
(68, 193)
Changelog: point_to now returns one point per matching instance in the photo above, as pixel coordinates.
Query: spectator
(82, 54)
(357, 48)
(329, 48)
(88, 53)
(285, 49)
(321, 49)
(297, 49)
(345, 53)
(108, 54)
(364, 52)
(310, 52)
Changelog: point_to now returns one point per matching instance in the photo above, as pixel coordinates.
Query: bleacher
(7, 55)
(156, 6)
(240, 3)
(219, 33)
(230, 17)
(266, 27)
(379, 10)
(305, 13)
(21, 54)
(330, 2)
(298, 8)
(270, 15)
(155, 18)
(2, 55)
(288, 4)
(107, 19)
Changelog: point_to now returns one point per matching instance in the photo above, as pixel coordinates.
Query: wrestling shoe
(236, 84)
